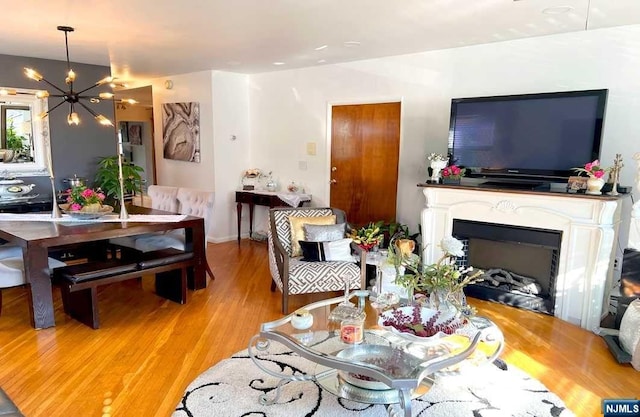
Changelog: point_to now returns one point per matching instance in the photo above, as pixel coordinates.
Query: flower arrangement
(592, 169)
(453, 172)
(418, 325)
(444, 280)
(369, 236)
(436, 157)
(81, 197)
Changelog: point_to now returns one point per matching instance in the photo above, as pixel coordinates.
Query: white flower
(437, 157)
(452, 246)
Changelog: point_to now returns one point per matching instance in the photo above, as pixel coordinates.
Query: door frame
(377, 100)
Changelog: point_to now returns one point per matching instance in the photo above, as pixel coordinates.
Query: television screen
(530, 135)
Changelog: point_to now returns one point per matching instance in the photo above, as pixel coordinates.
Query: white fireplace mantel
(589, 227)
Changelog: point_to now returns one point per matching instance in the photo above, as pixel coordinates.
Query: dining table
(39, 233)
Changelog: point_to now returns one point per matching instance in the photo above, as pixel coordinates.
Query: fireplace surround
(587, 227)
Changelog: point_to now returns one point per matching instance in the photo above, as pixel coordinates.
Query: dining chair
(192, 202)
(12, 268)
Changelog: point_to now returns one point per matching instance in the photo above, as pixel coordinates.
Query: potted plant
(369, 236)
(108, 177)
(443, 281)
(452, 174)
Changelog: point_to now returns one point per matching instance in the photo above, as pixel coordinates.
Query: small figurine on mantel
(614, 174)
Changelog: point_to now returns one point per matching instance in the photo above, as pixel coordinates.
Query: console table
(265, 198)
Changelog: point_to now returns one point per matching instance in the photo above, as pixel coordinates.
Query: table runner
(46, 217)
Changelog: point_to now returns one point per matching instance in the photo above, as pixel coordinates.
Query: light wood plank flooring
(149, 349)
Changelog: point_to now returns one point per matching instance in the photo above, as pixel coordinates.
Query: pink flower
(87, 193)
(101, 196)
(76, 207)
(455, 170)
(598, 174)
(445, 172)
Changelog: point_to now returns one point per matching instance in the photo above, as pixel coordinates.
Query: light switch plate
(311, 148)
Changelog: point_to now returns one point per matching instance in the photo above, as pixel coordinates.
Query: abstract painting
(181, 131)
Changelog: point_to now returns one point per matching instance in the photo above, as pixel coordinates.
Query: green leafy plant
(107, 177)
(15, 142)
(368, 236)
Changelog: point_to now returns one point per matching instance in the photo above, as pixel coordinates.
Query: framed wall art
(181, 131)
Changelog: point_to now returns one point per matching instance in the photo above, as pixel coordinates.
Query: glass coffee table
(378, 365)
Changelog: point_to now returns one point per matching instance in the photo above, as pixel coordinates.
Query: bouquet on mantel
(592, 169)
(452, 172)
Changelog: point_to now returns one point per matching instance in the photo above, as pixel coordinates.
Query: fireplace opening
(520, 263)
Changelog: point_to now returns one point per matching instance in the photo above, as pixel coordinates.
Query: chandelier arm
(56, 106)
(54, 86)
(88, 88)
(94, 114)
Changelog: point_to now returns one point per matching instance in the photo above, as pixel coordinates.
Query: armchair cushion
(309, 277)
(324, 233)
(336, 250)
(630, 327)
(297, 231)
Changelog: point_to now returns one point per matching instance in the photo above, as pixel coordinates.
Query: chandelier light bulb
(105, 80)
(33, 74)
(105, 96)
(7, 92)
(71, 77)
(103, 120)
(73, 119)
(42, 94)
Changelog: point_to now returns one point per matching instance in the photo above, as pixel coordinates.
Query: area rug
(232, 389)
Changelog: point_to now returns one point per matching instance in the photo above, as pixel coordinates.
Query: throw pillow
(630, 327)
(324, 232)
(297, 232)
(337, 250)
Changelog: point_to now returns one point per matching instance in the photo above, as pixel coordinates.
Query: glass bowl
(86, 215)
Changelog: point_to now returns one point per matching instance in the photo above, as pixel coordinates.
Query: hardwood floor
(149, 349)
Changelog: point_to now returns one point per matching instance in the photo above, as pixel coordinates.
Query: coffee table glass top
(383, 359)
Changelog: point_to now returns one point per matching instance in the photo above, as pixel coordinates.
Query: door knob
(334, 169)
(333, 181)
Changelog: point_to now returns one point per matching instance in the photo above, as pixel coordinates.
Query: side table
(268, 199)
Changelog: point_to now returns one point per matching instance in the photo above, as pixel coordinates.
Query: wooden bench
(79, 283)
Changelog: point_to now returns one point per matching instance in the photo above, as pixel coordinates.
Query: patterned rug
(232, 389)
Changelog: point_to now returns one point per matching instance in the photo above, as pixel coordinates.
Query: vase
(446, 301)
(436, 168)
(594, 185)
(271, 185)
(451, 181)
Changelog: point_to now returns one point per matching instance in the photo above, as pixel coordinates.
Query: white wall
(289, 108)
(224, 112)
(232, 144)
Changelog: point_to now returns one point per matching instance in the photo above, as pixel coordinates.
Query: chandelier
(71, 96)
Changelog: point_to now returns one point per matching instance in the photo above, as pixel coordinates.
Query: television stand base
(516, 185)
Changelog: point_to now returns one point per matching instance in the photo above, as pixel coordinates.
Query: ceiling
(145, 39)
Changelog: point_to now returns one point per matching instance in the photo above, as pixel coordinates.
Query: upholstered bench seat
(79, 283)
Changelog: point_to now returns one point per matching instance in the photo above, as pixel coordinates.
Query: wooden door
(365, 147)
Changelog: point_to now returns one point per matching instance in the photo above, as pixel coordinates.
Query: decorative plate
(86, 215)
(432, 324)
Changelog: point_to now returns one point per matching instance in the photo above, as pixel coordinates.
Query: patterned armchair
(294, 276)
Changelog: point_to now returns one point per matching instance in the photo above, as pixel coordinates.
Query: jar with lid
(352, 329)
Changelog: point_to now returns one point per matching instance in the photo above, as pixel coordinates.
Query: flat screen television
(527, 136)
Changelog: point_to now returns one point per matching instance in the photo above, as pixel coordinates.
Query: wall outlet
(617, 263)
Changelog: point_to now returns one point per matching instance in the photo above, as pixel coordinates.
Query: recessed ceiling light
(351, 44)
(278, 63)
(557, 10)
(320, 48)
